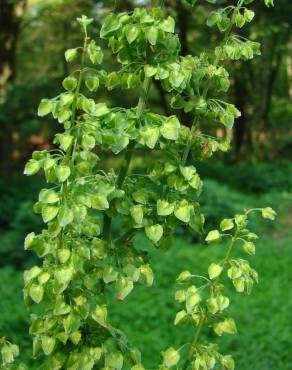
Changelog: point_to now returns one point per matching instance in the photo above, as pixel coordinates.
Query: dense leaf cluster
(82, 257)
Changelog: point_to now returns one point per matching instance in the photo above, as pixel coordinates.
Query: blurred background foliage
(34, 35)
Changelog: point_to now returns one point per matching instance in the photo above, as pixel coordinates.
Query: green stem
(202, 319)
(129, 154)
(205, 92)
(193, 344)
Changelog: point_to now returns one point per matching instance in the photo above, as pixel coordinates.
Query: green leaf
(49, 212)
(154, 232)
(44, 108)
(31, 168)
(132, 32)
(180, 316)
(152, 34)
(269, 213)
(227, 326)
(124, 286)
(63, 172)
(84, 22)
(70, 55)
(48, 196)
(149, 70)
(100, 202)
(110, 26)
(64, 275)
(213, 236)
(170, 357)
(228, 362)
(214, 270)
(48, 345)
(226, 224)
(147, 272)
(88, 142)
(164, 208)
(167, 25)
(183, 212)
(184, 277)
(213, 19)
(70, 83)
(249, 248)
(137, 214)
(92, 83)
(100, 315)
(188, 172)
(170, 128)
(65, 216)
(63, 255)
(109, 274)
(115, 361)
(36, 293)
(9, 352)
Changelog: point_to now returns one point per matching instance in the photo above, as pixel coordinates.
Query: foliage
(82, 259)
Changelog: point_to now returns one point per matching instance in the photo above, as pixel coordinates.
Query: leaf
(167, 25)
(170, 128)
(63, 172)
(100, 315)
(149, 70)
(48, 345)
(124, 286)
(92, 83)
(44, 107)
(227, 326)
(184, 277)
(213, 19)
(63, 255)
(70, 83)
(110, 26)
(249, 248)
(188, 172)
(100, 202)
(213, 236)
(180, 316)
(164, 208)
(214, 270)
(148, 273)
(170, 357)
(226, 224)
(36, 293)
(88, 142)
(115, 360)
(31, 168)
(65, 216)
(137, 214)
(48, 196)
(269, 213)
(192, 300)
(49, 212)
(70, 55)
(183, 212)
(152, 34)
(154, 232)
(64, 275)
(132, 32)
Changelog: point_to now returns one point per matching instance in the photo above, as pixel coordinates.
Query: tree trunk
(11, 13)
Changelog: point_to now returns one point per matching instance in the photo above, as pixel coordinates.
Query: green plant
(83, 259)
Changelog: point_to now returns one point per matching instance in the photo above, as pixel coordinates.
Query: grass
(263, 318)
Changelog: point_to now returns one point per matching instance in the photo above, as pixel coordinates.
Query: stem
(202, 319)
(194, 342)
(129, 154)
(205, 92)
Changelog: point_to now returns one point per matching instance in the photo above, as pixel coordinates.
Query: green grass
(263, 318)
